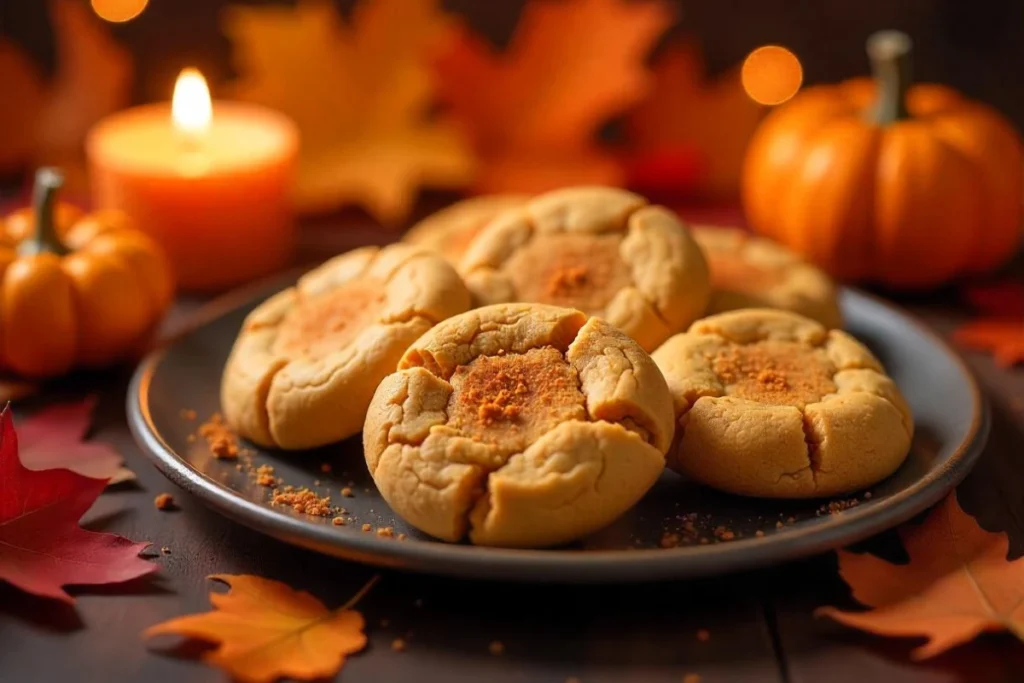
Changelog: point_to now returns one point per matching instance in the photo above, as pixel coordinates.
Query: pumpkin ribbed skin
(912, 203)
(87, 308)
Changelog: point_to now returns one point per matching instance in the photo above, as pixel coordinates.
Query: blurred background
(977, 46)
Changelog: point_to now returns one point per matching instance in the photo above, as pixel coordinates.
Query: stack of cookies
(523, 369)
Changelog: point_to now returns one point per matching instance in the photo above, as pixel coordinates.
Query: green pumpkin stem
(44, 203)
(889, 52)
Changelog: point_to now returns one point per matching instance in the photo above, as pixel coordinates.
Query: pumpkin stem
(44, 202)
(889, 52)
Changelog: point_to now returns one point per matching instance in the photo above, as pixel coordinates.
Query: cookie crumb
(703, 635)
(164, 502)
(759, 533)
(367, 527)
(779, 525)
(165, 550)
(222, 441)
(187, 414)
(191, 438)
(303, 501)
(347, 492)
(496, 647)
(398, 645)
(265, 475)
(402, 537)
(723, 533)
(338, 521)
(669, 540)
(385, 531)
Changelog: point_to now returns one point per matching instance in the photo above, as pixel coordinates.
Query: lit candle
(208, 180)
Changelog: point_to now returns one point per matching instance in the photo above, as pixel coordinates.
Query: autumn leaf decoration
(265, 630)
(1000, 327)
(53, 438)
(42, 548)
(533, 111)
(957, 584)
(361, 93)
(690, 133)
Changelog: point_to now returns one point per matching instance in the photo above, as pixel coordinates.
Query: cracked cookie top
(750, 272)
(602, 250)
(521, 424)
(306, 361)
(770, 403)
(450, 231)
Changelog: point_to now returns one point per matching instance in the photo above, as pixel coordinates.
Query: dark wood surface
(761, 624)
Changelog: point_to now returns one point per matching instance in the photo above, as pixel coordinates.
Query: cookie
(754, 272)
(450, 231)
(523, 425)
(306, 362)
(772, 404)
(600, 250)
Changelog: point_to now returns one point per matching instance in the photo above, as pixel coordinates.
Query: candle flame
(191, 109)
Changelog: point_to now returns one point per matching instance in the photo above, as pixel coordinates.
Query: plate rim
(567, 566)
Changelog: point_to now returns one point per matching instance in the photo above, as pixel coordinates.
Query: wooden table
(761, 624)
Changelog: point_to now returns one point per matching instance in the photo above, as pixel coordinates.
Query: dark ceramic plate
(712, 532)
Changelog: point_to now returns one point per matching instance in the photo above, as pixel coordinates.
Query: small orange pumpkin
(876, 180)
(75, 290)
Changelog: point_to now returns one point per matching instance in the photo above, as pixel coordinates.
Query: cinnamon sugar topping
(774, 372)
(513, 398)
(323, 323)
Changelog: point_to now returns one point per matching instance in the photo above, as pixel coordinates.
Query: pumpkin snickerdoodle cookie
(772, 404)
(451, 230)
(601, 250)
(754, 272)
(306, 361)
(524, 425)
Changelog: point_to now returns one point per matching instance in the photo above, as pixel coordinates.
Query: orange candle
(211, 182)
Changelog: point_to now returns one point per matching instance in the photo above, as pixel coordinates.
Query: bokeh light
(771, 74)
(119, 11)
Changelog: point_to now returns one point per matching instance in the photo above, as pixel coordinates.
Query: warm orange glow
(771, 74)
(119, 11)
(191, 109)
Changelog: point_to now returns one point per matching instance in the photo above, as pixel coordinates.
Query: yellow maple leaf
(534, 110)
(361, 94)
(711, 119)
(267, 630)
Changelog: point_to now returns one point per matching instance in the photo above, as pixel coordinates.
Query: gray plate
(951, 428)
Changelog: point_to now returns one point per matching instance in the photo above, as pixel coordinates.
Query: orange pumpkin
(75, 290)
(876, 180)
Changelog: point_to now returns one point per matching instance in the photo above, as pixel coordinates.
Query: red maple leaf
(52, 439)
(42, 548)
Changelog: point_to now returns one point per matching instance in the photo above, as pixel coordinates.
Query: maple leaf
(267, 630)
(93, 79)
(23, 84)
(42, 548)
(957, 584)
(533, 112)
(1003, 337)
(691, 116)
(52, 439)
(361, 95)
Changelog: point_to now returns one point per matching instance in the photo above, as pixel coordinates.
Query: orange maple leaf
(266, 630)
(533, 112)
(711, 119)
(23, 89)
(957, 584)
(361, 94)
(1003, 337)
(93, 79)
